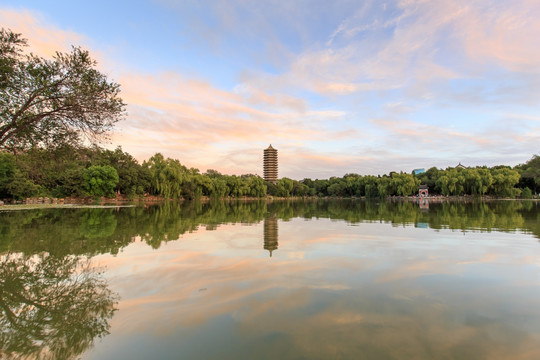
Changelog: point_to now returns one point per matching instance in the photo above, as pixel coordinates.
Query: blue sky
(363, 87)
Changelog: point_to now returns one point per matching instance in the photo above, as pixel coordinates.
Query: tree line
(71, 171)
(78, 171)
(500, 181)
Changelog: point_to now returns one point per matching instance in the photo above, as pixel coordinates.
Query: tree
(486, 180)
(7, 172)
(430, 178)
(285, 185)
(166, 176)
(530, 173)
(405, 184)
(50, 102)
(504, 180)
(13, 184)
(100, 180)
(526, 193)
(132, 178)
(384, 186)
(299, 189)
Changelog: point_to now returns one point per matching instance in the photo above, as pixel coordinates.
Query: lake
(326, 279)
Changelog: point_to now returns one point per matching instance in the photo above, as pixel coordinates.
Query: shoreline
(122, 201)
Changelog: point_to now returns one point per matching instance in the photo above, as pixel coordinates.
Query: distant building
(270, 164)
(459, 166)
(423, 191)
(418, 171)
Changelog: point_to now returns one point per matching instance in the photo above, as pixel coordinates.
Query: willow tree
(48, 102)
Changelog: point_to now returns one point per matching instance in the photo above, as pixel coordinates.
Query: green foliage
(255, 185)
(13, 184)
(171, 179)
(52, 102)
(430, 178)
(47, 109)
(285, 186)
(166, 176)
(530, 174)
(526, 193)
(498, 181)
(219, 188)
(404, 184)
(7, 171)
(133, 179)
(59, 172)
(504, 180)
(20, 187)
(100, 180)
(384, 186)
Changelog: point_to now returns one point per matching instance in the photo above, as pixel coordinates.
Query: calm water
(285, 280)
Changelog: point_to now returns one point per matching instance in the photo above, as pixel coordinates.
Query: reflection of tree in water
(51, 307)
(97, 223)
(271, 233)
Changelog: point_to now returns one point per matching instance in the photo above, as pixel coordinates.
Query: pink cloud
(190, 116)
(44, 39)
(505, 32)
(431, 42)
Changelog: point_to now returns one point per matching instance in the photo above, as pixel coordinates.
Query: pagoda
(270, 164)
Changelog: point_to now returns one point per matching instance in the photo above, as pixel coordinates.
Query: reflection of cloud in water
(357, 293)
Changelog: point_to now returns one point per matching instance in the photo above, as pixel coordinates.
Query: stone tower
(270, 171)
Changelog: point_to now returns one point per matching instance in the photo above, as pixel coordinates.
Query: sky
(338, 87)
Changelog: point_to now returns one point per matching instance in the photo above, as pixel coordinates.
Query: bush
(526, 193)
(100, 181)
(12, 183)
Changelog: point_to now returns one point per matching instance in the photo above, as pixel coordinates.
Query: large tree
(47, 102)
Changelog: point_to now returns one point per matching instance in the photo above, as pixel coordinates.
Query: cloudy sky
(337, 87)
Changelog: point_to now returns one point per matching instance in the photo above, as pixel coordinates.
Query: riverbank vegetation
(70, 171)
(78, 171)
(498, 181)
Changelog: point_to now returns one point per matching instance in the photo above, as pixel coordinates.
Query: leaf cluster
(50, 102)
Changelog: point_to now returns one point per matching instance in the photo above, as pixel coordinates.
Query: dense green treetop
(100, 180)
(530, 174)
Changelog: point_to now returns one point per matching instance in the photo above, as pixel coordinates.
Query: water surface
(291, 280)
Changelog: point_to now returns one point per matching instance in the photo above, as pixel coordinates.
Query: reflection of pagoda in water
(271, 233)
